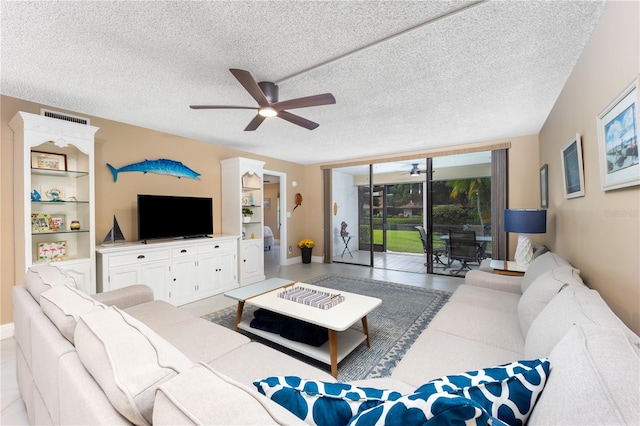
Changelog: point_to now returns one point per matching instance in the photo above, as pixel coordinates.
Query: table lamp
(525, 222)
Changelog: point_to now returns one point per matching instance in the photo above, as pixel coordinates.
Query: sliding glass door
(399, 215)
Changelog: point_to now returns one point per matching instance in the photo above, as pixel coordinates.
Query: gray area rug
(393, 327)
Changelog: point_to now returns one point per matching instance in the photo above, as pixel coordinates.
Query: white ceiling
(492, 70)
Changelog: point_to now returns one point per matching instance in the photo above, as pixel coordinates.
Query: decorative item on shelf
(114, 236)
(75, 225)
(525, 222)
(35, 195)
(48, 161)
(251, 200)
(161, 167)
(246, 215)
(298, 200)
(245, 201)
(59, 222)
(343, 229)
(52, 250)
(306, 247)
(253, 235)
(40, 222)
(53, 193)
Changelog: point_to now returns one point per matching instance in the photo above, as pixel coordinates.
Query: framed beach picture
(544, 186)
(572, 168)
(618, 140)
(49, 161)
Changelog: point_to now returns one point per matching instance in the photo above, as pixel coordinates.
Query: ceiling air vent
(66, 117)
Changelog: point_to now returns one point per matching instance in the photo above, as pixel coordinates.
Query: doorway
(274, 188)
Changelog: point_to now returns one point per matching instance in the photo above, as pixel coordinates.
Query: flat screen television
(166, 216)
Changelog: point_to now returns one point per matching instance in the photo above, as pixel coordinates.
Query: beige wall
(598, 233)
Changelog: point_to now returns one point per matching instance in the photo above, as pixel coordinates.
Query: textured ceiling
(455, 72)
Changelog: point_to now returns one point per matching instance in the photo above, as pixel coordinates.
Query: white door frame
(283, 213)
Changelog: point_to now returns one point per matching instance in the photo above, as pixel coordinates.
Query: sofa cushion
(322, 403)
(539, 266)
(573, 305)
(40, 278)
(127, 359)
(203, 396)
(482, 324)
(425, 360)
(542, 290)
(255, 360)
(507, 392)
(595, 377)
(64, 305)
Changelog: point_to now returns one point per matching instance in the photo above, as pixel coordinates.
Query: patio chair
(464, 248)
(437, 252)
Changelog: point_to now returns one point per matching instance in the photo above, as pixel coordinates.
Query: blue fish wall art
(161, 167)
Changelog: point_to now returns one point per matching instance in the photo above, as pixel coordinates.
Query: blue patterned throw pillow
(322, 403)
(437, 409)
(507, 392)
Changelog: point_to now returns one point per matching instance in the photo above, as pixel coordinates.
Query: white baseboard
(6, 331)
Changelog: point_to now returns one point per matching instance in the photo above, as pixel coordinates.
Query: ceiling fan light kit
(415, 171)
(266, 95)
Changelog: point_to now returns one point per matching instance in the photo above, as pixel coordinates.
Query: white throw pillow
(64, 305)
(573, 305)
(40, 278)
(539, 266)
(542, 290)
(594, 379)
(128, 360)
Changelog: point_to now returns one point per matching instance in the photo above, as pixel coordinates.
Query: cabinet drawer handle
(183, 251)
(141, 256)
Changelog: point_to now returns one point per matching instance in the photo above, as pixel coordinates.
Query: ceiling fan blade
(257, 120)
(296, 119)
(249, 83)
(219, 107)
(307, 101)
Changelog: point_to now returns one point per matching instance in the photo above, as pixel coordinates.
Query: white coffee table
(338, 319)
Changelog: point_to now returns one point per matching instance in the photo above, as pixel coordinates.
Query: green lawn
(400, 241)
(407, 241)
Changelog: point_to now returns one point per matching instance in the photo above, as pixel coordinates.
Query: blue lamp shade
(525, 221)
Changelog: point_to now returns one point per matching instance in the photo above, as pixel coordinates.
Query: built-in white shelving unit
(242, 190)
(54, 187)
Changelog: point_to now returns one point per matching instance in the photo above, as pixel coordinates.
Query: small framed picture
(47, 160)
(40, 222)
(52, 250)
(544, 186)
(245, 201)
(59, 222)
(267, 203)
(52, 193)
(572, 168)
(618, 140)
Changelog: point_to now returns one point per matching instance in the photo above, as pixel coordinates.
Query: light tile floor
(13, 409)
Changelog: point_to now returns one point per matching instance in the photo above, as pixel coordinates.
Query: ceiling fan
(266, 94)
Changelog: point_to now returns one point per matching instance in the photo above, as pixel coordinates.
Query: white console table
(179, 271)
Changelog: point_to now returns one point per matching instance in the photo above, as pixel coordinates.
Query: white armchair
(268, 238)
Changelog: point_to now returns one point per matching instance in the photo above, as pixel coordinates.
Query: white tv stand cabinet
(179, 271)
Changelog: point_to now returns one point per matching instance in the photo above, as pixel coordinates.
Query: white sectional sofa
(121, 357)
